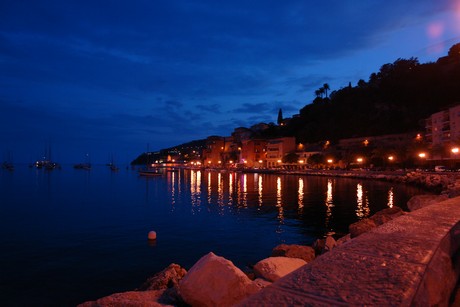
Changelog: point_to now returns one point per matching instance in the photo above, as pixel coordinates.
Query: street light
(455, 150)
(391, 158)
(330, 160)
(422, 155)
(359, 160)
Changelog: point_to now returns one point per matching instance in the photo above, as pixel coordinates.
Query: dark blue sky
(110, 77)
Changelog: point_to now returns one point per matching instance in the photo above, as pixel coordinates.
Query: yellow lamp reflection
(362, 209)
(279, 200)
(390, 198)
(301, 193)
(260, 190)
(209, 188)
(329, 202)
(220, 190)
(245, 190)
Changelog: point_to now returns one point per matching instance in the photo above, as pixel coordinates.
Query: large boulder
(167, 278)
(274, 268)
(386, 215)
(215, 281)
(419, 201)
(128, 299)
(321, 246)
(377, 219)
(361, 227)
(306, 253)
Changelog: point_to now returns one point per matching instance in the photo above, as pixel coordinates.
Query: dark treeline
(396, 99)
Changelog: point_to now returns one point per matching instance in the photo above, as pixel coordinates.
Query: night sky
(117, 77)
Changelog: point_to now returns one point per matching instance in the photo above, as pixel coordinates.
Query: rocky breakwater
(434, 182)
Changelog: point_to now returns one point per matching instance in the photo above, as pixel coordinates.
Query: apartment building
(277, 149)
(443, 133)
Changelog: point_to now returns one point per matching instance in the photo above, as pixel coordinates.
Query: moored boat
(149, 172)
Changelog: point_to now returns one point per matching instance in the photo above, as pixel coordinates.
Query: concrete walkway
(409, 261)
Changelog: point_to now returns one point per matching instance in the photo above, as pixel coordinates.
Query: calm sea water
(69, 235)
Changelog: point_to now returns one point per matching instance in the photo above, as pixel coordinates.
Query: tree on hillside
(317, 93)
(326, 88)
(280, 117)
(321, 91)
(454, 51)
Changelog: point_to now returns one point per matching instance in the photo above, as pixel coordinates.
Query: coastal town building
(443, 133)
(277, 149)
(253, 153)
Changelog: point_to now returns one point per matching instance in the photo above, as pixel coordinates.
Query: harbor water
(70, 236)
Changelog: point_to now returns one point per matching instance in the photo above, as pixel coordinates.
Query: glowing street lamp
(391, 158)
(330, 160)
(359, 160)
(422, 155)
(455, 150)
(301, 161)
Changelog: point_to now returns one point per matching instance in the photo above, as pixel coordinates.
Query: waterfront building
(277, 149)
(443, 133)
(253, 153)
(220, 151)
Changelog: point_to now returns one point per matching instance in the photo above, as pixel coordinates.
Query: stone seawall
(409, 261)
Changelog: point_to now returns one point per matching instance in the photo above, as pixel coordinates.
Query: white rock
(273, 268)
(215, 281)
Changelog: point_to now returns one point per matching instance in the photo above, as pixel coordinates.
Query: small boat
(8, 166)
(149, 172)
(46, 163)
(112, 166)
(84, 166)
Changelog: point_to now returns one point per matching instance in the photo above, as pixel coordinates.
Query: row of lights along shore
(359, 160)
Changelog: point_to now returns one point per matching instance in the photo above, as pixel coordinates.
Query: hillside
(396, 99)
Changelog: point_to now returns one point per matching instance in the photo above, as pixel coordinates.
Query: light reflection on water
(244, 191)
(390, 198)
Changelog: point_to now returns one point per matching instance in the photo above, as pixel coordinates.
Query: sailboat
(46, 162)
(149, 170)
(8, 164)
(84, 166)
(112, 166)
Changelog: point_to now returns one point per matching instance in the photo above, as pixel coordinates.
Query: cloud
(252, 108)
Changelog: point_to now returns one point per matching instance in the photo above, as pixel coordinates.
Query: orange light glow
(329, 161)
(455, 150)
(422, 155)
